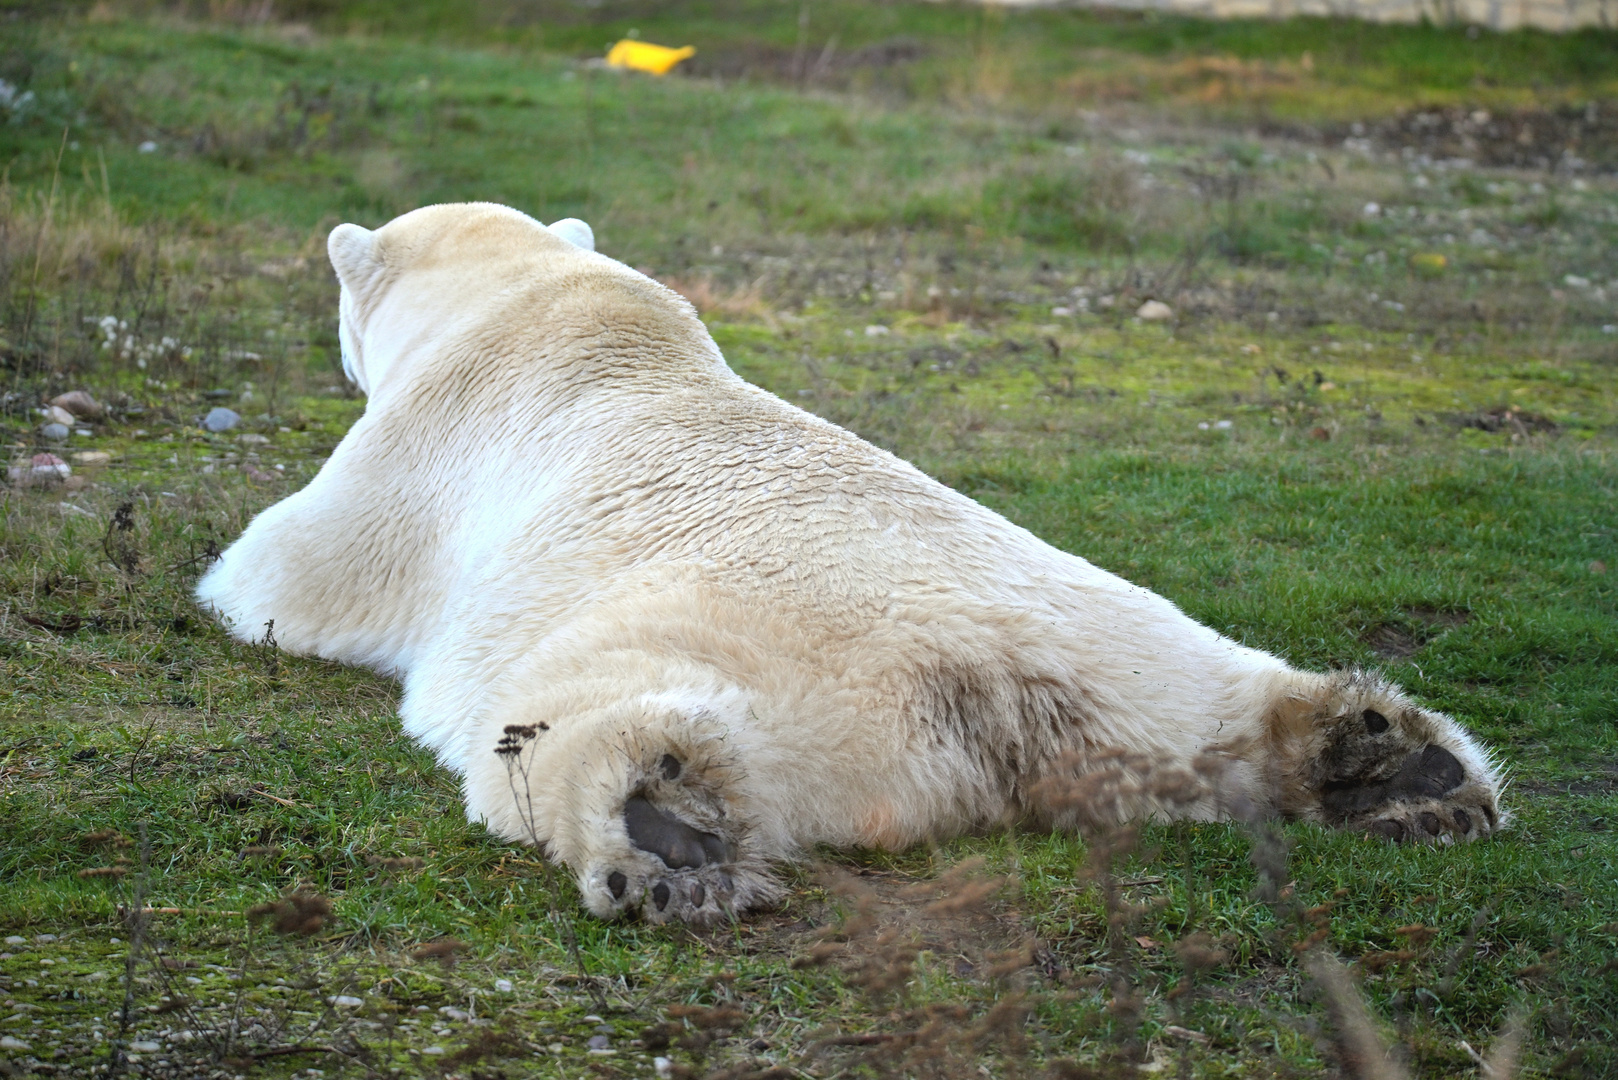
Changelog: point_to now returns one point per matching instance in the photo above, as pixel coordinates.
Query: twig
(511, 751)
(137, 935)
(282, 1051)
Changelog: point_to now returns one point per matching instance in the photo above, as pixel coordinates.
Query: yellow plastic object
(644, 56)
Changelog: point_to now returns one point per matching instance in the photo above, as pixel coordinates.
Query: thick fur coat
(674, 630)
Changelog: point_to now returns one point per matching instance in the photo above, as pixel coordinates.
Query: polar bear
(709, 630)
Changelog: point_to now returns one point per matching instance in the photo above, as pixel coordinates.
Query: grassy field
(1378, 429)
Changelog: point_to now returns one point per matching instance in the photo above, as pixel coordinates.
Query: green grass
(1418, 473)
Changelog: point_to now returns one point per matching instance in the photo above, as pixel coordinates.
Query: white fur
(561, 507)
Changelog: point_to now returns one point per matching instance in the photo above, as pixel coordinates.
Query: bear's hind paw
(1412, 793)
(671, 870)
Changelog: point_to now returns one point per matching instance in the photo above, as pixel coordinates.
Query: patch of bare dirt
(820, 64)
(1570, 137)
(1507, 418)
(1403, 638)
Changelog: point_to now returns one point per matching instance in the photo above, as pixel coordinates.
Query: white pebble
(221, 419)
(346, 1001)
(503, 985)
(146, 1047)
(664, 1067)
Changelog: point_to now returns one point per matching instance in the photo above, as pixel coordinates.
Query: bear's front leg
(645, 800)
(1351, 751)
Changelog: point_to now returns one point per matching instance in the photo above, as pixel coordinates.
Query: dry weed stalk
(515, 739)
(877, 948)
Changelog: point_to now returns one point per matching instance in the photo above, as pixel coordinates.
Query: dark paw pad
(616, 883)
(679, 845)
(660, 895)
(1435, 772)
(1427, 774)
(1388, 829)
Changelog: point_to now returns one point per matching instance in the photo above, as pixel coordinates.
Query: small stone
(346, 1001)
(599, 1042)
(1154, 311)
(44, 939)
(592, 1018)
(249, 438)
(434, 1050)
(80, 404)
(664, 1067)
(146, 1047)
(503, 985)
(16, 939)
(90, 458)
(877, 330)
(55, 415)
(54, 432)
(9, 1043)
(605, 1029)
(220, 419)
(458, 1015)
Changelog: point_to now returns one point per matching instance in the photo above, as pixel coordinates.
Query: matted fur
(562, 509)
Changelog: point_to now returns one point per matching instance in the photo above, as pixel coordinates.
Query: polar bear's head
(433, 270)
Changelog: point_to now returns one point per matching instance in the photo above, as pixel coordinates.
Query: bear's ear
(353, 255)
(574, 232)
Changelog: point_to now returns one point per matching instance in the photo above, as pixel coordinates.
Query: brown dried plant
(299, 912)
